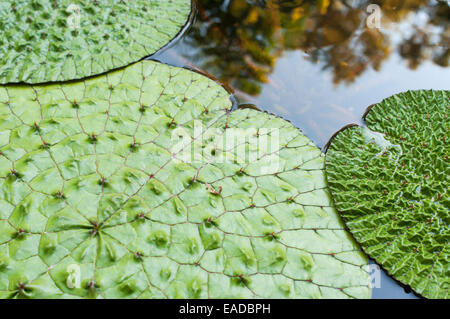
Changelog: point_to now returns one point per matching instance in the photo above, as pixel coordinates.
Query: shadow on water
(319, 63)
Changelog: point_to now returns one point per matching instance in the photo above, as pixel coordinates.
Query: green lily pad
(46, 40)
(390, 180)
(143, 183)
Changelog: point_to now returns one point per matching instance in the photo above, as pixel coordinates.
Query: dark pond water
(321, 63)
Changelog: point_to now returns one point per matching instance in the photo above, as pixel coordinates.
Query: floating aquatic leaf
(142, 183)
(390, 182)
(46, 40)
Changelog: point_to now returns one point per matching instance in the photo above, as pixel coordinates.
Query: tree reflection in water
(239, 41)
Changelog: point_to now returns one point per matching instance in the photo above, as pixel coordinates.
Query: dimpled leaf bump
(390, 183)
(96, 180)
(46, 40)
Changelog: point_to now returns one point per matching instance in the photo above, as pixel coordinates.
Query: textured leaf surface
(46, 40)
(92, 175)
(390, 183)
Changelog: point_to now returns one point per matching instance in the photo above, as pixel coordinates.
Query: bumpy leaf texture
(390, 180)
(118, 186)
(46, 40)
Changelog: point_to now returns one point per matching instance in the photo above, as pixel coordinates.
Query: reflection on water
(319, 63)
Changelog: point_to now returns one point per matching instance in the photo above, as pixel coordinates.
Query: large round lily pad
(142, 183)
(390, 182)
(46, 40)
